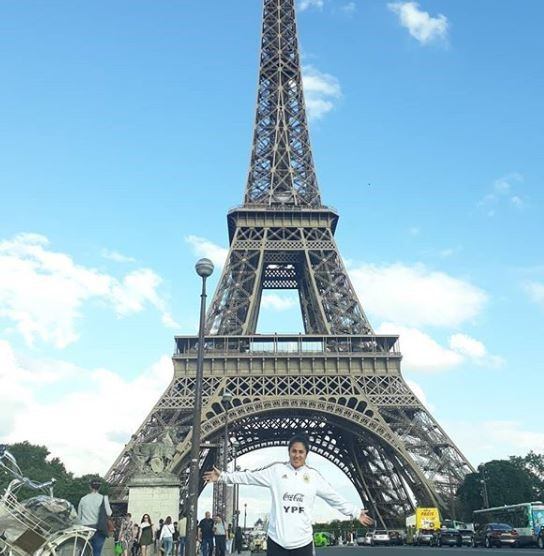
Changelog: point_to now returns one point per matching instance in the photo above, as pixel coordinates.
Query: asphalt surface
(424, 551)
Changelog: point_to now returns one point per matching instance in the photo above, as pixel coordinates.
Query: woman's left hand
(365, 519)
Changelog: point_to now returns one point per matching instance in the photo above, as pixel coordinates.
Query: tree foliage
(339, 527)
(533, 464)
(507, 481)
(35, 463)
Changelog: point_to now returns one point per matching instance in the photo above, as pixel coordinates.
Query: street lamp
(204, 268)
(226, 399)
(235, 445)
(483, 481)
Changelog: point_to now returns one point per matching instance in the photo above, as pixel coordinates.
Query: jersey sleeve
(326, 492)
(258, 477)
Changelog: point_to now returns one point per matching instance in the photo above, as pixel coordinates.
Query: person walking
(88, 512)
(230, 538)
(182, 532)
(166, 537)
(135, 549)
(158, 547)
(145, 537)
(205, 534)
(126, 534)
(175, 539)
(238, 540)
(220, 535)
(294, 486)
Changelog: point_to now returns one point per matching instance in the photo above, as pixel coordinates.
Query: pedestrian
(230, 538)
(126, 534)
(294, 486)
(145, 537)
(88, 511)
(182, 534)
(238, 540)
(166, 536)
(220, 535)
(158, 535)
(135, 549)
(175, 539)
(205, 534)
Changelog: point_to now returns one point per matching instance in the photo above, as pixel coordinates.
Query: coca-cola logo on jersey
(297, 497)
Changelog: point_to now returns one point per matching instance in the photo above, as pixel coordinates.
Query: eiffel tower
(339, 382)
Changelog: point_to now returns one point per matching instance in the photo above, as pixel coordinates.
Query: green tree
(469, 496)
(34, 463)
(507, 482)
(533, 464)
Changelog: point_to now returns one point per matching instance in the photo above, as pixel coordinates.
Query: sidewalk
(109, 545)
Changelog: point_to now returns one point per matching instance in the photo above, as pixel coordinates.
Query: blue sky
(125, 137)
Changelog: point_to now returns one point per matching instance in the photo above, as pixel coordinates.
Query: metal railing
(285, 344)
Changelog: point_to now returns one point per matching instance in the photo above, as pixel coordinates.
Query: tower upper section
(282, 169)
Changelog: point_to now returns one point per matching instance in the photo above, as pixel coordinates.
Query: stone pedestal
(156, 495)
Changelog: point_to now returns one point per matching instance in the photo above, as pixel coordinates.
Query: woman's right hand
(212, 476)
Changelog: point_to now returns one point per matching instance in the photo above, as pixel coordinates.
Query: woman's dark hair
(168, 521)
(302, 438)
(148, 517)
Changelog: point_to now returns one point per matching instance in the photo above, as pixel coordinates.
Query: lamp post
(483, 481)
(235, 445)
(226, 399)
(204, 268)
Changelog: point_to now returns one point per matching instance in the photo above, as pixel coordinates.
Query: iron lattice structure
(339, 382)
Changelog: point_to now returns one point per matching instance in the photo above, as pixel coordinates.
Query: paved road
(424, 551)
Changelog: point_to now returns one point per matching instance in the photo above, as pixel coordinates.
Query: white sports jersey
(293, 495)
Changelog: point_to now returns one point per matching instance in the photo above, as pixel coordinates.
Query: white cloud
(483, 441)
(349, 8)
(419, 392)
(85, 427)
(116, 256)
(420, 352)
(424, 354)
(517, 201)
(415, 295)
(278, 302)
(448, 252)
(467, 346)
(535, 291)
(420, 24)
(321, 90)
(474, 350)
(43, 291)
(203, 247)
(501, 191)
(306, 4)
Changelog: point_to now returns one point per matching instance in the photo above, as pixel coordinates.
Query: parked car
(447, 536)
(396, 538)
(495, 534)
(466, 536)
(424, 536)
(360, 538)
(380, 536)
(368, 538)
(320, 539)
